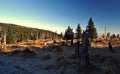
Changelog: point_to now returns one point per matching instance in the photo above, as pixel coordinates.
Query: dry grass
(49, 67)
(103, 42)
(61, 62)
(97, 43)
(46, 57)
(108, 70)
(27, 53)
(88, 68)
(73, 56)
(63, 57)
(58, 49)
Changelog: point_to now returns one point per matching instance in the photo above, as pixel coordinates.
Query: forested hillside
(15, 33)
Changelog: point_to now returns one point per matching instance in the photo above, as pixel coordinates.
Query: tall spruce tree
(61, 35)
(78, 32)
(118, 36)
(92, 31)
(68, 33)
(108, 35)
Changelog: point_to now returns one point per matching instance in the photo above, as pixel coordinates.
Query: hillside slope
(16, 33)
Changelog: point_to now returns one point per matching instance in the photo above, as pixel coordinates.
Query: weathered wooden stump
(77, 47)
(110, 47)
(84, 59)
(71, 41)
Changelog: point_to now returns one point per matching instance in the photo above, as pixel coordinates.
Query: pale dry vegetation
(103, 42)
(35, 57)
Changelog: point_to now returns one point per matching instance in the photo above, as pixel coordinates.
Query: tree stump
(77, 54)
(71, 41)
(84, 60)
(110, 47)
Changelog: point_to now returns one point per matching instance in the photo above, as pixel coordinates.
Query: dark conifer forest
(15, 33)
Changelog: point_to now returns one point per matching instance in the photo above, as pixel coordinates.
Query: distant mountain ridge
(16, 33)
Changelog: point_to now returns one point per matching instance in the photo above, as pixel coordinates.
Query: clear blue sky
(56, 15)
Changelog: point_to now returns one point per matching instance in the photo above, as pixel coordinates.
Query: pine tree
(61, 35)
(113, 36)
(118, 36)
(68, 33)
(103, 36)
(78, 32)
(108, 35)
(92, 31)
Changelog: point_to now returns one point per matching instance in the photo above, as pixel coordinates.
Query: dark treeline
(15, 33)
(90, 29)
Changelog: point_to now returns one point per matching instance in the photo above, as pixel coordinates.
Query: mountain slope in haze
(16, 33)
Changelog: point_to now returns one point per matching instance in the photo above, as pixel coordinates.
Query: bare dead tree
(77, 47)
(110, 47)
(84, 59)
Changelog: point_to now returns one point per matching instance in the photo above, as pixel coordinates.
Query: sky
(56, 15)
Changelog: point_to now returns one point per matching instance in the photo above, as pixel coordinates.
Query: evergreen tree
(103, 36)
(15, 33)
(108, 35)
(61, 35)
(68, 33)
(113, 36)
(92, 31)
(78, 32)
(118, 36)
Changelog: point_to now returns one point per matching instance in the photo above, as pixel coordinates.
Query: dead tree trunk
(4, 49)
(5, 38)
(77, 47)
(110, 47)
(72, 39)
(84, 50)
